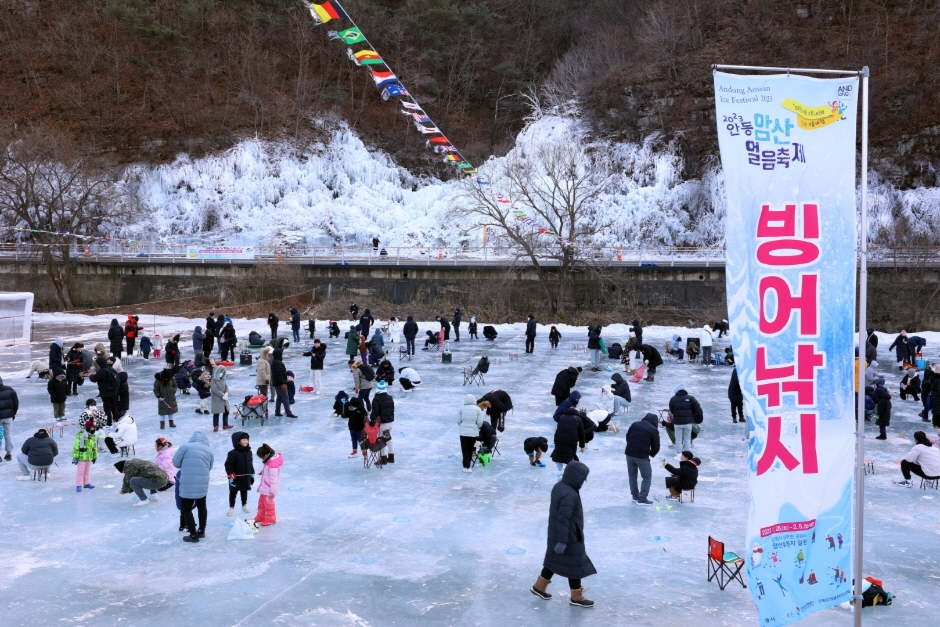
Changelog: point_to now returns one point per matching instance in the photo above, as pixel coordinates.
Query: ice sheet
(419, 542)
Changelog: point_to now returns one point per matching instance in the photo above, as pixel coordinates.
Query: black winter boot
(162, 424)
(172, 425)
(391, 458)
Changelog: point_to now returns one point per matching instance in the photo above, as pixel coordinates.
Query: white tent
(16, 316)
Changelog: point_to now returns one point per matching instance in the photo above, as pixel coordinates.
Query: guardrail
(667, 256)
(383, 256)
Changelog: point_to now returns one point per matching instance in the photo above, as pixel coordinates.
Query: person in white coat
(409, 378)
(923, 460)
(707, 345)
(124, 434)
(469, 422)
(394, 330)
(218, 387)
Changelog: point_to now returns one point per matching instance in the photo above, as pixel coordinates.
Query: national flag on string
(438, 140)
(452, 158)
(381, 78)
(444, 148)
(463, 165)
(365, 57)
(323, 13)
(420, 117)
(427, 130)
(393, 90)
(349, 36)
(410, 105)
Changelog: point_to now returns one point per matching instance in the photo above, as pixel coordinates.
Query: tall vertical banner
(788, 154)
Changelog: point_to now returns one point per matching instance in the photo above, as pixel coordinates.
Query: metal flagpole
(858, 539)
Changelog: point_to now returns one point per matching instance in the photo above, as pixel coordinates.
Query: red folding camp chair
(725, 567)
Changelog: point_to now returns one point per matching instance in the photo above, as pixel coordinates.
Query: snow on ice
(420, 542)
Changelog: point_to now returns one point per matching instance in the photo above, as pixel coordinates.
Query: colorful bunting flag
(364, 57)
(393, 90)
(442, 149)
(331, 10)
(420, 117)
(350, 35)
(410, 105)
(427, 130)
(381, 78)
(452, 158)
(438, 140)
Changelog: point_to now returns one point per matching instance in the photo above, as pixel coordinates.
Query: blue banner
(788, 154)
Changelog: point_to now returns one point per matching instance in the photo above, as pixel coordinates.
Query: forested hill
(143, 80)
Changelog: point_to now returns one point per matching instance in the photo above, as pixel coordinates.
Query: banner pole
(858, 536)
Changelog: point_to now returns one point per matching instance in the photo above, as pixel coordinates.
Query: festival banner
(788, 154)
(199, 252)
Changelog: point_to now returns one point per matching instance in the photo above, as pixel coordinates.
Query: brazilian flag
(351, 35)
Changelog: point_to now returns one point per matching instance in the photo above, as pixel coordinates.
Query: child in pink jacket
(269, 485)
(165, 457)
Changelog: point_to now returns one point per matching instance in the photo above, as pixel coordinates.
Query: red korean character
(774, 381)
(788, 249)
(805, 304)
(775, 450)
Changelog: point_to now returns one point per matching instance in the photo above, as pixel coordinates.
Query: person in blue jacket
(295, 323)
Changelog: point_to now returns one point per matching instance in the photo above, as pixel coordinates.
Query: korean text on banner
(788, 154)
(198, 252)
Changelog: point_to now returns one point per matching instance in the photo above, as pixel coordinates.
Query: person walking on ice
(565, 551)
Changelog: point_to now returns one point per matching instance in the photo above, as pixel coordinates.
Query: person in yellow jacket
(84, 455)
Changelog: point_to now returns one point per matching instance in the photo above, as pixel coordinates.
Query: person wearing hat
(164, 457)
(73, 368)
(84, 455)
(383, 410)
(141, 475)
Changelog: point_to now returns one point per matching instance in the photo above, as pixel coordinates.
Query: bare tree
(557, 186)
(46, 187)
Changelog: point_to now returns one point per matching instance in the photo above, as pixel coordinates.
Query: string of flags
(391, 87)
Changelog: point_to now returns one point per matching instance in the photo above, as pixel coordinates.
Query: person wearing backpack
(108, 386)
(383, 410)
(279, 383)
(363, 376)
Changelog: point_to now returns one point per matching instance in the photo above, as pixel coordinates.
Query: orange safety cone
(440, 253)
(87, 251)
(619, 254)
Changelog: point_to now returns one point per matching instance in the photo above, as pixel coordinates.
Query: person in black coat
(901, 349)
(554, 337)
(458, 316)
(565, 380)
(445, 327)
(882, 409)
(354, 312)
(686, 412)
(915, 344)
(365, 322)
(383, 410)
(172, 352)
(637, 331)
(534, 447)
(489, 333)
(279, 383)
(472, 328)
(211, 333)
(736, 396)
(410, 331)
(37, 452)
(530, 334)
(721, 327)
(9, 405)
(240, 469)
(273, 321)
(652, 358)
(55, 356)
(227, 342)
(499, 404)
(116, 338)
(642, 444)
(621, 393)
(571, 401)
(334, 329)
(565, 552)
(295, 323)
(109, 385)
(569, 437)
(910, 385)
(341, 404)
(122, 402)
(73, 367)
(594, 346)
(385, 372)
(685, 477)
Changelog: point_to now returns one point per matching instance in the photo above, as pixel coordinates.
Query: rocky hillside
(143, 80)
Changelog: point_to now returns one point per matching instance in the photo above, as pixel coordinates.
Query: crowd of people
(369, 412)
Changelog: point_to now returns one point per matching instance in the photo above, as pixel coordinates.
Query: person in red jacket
(132, 329)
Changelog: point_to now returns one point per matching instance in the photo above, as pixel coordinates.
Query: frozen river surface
(418, 543)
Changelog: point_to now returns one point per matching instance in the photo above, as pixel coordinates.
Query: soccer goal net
(16, 313)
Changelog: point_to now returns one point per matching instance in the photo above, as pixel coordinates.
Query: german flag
(323, 13)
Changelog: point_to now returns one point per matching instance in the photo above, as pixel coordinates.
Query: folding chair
(253, 407)
(373, 444)
(476, 375)
(404, 352)
(690, 494)
(929, 482)
(725, 567)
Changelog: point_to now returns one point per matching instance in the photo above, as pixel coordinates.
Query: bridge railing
(650, 256)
